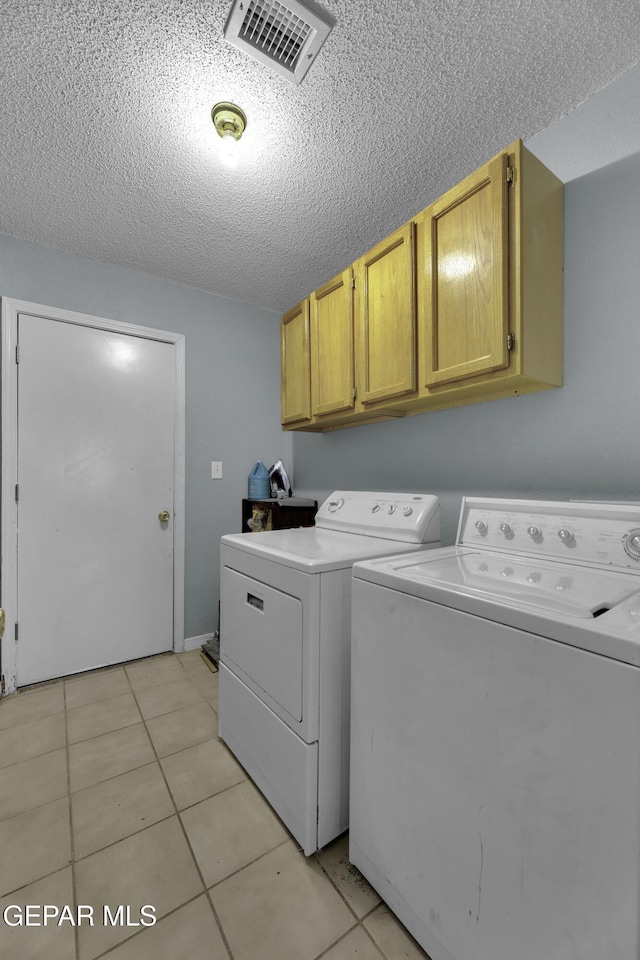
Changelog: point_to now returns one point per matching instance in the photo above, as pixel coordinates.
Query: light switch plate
(216, 469)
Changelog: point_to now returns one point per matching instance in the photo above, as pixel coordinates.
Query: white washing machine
(285, 630)
(495, 749)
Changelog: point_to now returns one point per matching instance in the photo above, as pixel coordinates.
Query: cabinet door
(464, 278)
(385, 292)
(295, 364)
(332, 367)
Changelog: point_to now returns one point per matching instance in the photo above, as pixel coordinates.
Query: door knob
(164, 516)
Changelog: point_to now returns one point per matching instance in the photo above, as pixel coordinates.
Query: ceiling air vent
(285, 36)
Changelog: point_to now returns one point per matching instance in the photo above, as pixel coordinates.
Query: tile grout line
(147, 827)
(156, 760)
(74, 891)
(191, 851)
(139, 933)
(344, 936)
(39, 806)
(23, 886)
(16, 726)
(359, 920)
(36, 806)
(251, 863)
(183, 829)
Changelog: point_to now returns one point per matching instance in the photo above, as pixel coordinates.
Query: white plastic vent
(285, 36)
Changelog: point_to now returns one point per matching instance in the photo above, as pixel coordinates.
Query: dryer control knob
(507, 529)
(534, 532)
(375, 508)
(407, 511)
(566, 535)
(391, 508)
(481, 527)
(632, 544)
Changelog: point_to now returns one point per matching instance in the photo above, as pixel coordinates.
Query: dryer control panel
(601, 534)
(407, 517)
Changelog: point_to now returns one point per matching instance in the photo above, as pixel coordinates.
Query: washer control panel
(602, 534)
(408, 517)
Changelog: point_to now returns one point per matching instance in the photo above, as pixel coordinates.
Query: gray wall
(232, 387)
(577, 442)
(580, 441)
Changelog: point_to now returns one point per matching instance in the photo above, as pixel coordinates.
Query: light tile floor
(115, 791)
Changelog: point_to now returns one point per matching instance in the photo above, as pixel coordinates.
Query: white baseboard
(194, 643)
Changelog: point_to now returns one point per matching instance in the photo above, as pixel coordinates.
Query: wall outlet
(216, 469)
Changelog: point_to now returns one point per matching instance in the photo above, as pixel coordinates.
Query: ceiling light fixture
(230, 122)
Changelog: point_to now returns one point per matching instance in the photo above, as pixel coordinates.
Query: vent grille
(287, 37)
(276, 30)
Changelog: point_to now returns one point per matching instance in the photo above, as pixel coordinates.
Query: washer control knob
(375, 508)
(534, 532)
(632, 544)
(391, 508)
(481, 527)
(566, 535)
(407, 511)
(336, 504)
(507, 529)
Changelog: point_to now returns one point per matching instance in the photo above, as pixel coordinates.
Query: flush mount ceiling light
(230, 122)
(285, 36)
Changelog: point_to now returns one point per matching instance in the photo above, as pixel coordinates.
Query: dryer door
(262, 638)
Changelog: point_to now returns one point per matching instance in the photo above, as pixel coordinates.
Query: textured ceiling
(108, 150)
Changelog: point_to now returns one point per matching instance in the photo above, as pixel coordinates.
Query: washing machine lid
(314, 549)
(548, 586)
(566, 571)
(593, 609)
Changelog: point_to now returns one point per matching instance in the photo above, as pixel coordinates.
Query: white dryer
(495, 750)
(285, 632)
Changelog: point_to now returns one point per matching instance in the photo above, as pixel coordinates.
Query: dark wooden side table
(276, 514)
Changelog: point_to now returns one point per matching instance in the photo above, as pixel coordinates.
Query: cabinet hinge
(17, 353)
(510, 174)
(354, 392)
(353, 283)
(511, 342)
(16, 633)
(17, 492)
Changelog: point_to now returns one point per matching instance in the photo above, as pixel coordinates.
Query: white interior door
(96, 446)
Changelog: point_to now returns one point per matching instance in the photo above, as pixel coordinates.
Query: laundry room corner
(232, 375)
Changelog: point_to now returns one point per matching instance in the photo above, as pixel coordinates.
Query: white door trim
(9, 396)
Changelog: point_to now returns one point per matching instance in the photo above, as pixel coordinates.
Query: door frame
(9, 449)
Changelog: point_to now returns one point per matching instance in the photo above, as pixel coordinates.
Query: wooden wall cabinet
(332, 355)
(460, 305)
(464, 278)
(386, 311)
(295, 366)
(490, 285)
